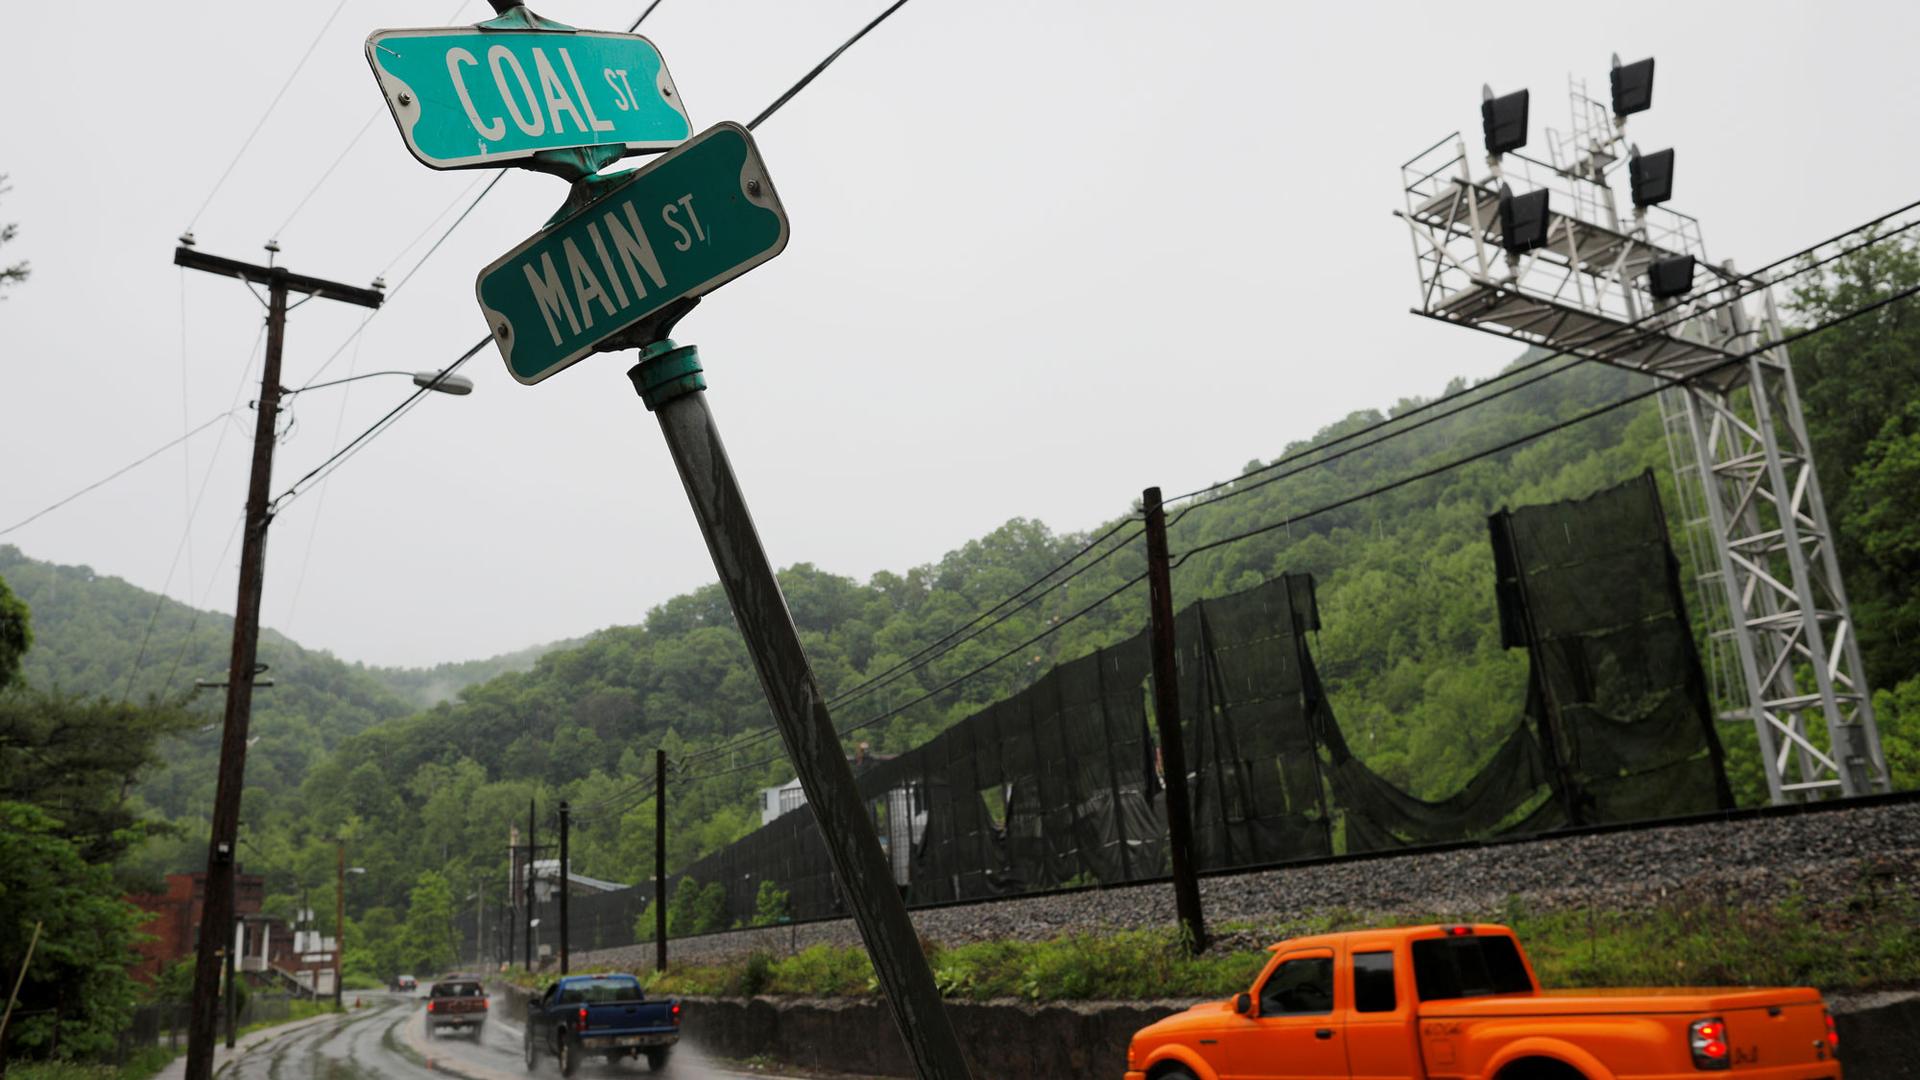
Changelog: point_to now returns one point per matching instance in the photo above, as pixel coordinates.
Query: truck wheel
(530, 1049)
(657, 1058)
(1173, 1072)
(569, 1055)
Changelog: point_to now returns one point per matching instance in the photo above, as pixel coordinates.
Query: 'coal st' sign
(474, 96)
(686, 224)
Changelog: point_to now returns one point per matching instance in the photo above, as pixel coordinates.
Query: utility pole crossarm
(269, 275)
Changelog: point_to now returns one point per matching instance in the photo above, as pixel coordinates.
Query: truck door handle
(1323, 1033)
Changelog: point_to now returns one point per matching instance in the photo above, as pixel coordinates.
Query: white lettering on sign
(667, 213)
(496, 57)
(572, 298)
(551, 296)
(496, 128)
(586, 105)
(623, 98)
(557, 100)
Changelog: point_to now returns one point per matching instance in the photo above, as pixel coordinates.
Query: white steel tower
(1539, 251)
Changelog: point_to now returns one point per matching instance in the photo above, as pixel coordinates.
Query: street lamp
(340, 917)
(446, 382)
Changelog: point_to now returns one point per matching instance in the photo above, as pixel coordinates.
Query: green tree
(16, 634)
(77, 993)
(79, 758)
(426, 937)
(770, 905)
(17, 273)
(696, 909)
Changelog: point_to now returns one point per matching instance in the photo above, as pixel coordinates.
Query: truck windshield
(596, 991)
(1469, 966)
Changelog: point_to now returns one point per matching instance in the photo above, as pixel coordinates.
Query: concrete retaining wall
(1879, 1035)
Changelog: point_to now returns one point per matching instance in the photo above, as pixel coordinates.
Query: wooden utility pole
(1166, 712)
(339, 916)
(14, 997)
(216, 916)
(565, 814)
(669, 380)
(660, 860)
(533, 852)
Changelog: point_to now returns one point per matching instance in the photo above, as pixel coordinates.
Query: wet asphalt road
(387, 1040)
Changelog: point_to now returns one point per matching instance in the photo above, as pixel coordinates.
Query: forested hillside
(1397, 541)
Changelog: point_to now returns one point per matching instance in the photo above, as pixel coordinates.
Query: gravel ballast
(1825, 857)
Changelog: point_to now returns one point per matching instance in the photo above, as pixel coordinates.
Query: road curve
(386, 1039)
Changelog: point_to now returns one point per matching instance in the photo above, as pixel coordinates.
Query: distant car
(608, 1015)
(404, 984)
(456, 1003)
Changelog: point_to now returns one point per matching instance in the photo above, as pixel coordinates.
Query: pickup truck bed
(605, 1015)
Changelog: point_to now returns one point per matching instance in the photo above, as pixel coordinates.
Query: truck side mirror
(1243, 1004)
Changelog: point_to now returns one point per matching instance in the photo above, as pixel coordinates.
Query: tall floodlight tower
(1543, 251)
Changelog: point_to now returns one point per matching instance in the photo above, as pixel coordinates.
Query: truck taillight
(483, 1004)
(1459, 931)
(1708, 1040)
(429, 1006)
(583, 1018)
(675, 1012)
(1833, 1037)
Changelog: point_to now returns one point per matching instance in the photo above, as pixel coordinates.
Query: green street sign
(683, 226)
(474, 96)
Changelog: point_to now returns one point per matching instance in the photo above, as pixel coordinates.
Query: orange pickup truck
(1462, 1003)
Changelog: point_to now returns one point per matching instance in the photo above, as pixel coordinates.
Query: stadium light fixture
(1632, 86)
(1651, 176)
(1523, 220)
(1503, 119)
(1672, 278)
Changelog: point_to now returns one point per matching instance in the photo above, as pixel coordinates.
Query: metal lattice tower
(1782, 652)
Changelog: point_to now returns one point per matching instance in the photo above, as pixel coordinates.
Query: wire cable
(1755, 276)
(114, 475)
(948, 685)
(907, 667)
(1680, 316)
(339, 456)
(1590, 414)
(262, 122)
(781, 101)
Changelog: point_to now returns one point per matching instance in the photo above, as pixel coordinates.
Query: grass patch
(1871, 943)
(140, 1065)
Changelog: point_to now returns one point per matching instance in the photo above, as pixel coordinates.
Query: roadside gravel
(1826, 857)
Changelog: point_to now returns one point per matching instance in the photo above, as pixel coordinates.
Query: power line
(1550, 429)
(318, 184)
(781, 101)
(186, 530)
(114, 475)
(262, 122)
(339, 456)
(914, 663)
(1678, 317)
(950, 683)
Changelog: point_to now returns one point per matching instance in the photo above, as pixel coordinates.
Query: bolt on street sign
(473, 96)
(683, 226)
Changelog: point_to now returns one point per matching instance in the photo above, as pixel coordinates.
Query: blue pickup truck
(607, 1015)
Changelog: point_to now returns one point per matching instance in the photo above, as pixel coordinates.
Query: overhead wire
(262, 122)
(1756, 277)
(340, 455)
(114, 475)
(894, 711)
(1755, 284)
(928, 654)
(1557, 426)
(193, 514)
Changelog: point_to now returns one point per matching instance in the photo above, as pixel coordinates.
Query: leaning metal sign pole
(627, 256)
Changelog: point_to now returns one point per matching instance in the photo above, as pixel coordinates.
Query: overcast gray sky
(1043, 255)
